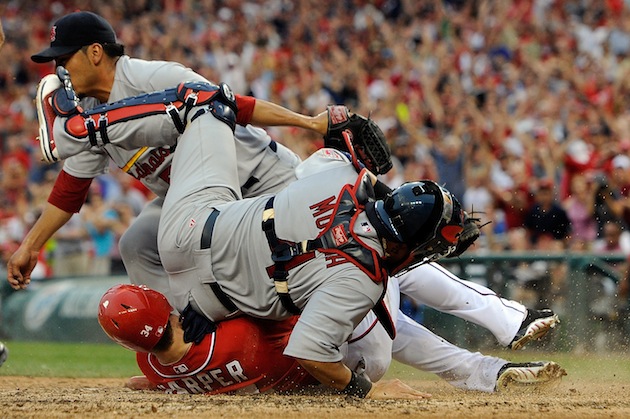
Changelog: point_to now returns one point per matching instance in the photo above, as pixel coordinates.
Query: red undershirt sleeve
(69, 192)
(245, 106)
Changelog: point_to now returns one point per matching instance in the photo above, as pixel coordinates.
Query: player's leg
(204, 164)
(203, 175)
(139, 250)
(420, 348)
(271, 169)
(434, 286)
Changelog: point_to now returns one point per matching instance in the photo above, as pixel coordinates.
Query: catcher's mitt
(366, 137)
(467, 237)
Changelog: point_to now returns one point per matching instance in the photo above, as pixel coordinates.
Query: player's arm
(67, 196)
(338, 376)
(342, 130)
(140, 382)
(262, 113)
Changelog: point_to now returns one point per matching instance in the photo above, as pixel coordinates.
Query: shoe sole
(46, 117)
(547, 374)
(536, 330)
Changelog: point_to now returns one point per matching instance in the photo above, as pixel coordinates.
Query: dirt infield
(23, 397)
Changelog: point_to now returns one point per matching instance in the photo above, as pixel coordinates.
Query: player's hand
(394, 389)
(20, 266)
(140, 382)
(196, 326)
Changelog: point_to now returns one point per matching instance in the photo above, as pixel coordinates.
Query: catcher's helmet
(422, 215)
(134, 316)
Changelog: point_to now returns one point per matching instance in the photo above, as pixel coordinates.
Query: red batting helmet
(134, 316)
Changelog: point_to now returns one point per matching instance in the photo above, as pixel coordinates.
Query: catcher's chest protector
(339, 237)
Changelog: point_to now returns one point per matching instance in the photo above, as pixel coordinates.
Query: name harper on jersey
(206, 381)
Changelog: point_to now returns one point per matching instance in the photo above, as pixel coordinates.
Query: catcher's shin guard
(46, 117)
(222, 106)
(185, 97)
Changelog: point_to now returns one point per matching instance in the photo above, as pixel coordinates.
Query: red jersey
(240, 353)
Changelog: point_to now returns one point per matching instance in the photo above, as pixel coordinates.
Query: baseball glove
(468, 236)
(365, 136)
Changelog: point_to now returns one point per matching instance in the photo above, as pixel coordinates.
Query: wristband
(358, 386)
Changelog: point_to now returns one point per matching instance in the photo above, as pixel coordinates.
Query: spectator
(546, 221)
(103, 225)
(71, 249)
(614, 240)
(580, 208)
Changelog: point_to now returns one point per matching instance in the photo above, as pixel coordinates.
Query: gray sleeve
(168, 76)
(330, 316)
(160, 75)
(86, 165)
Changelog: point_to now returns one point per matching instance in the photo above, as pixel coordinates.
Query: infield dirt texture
(24, 397)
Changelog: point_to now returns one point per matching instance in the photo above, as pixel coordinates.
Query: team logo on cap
(53, 34)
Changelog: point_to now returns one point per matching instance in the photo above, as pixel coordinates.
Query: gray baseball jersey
(334, 294)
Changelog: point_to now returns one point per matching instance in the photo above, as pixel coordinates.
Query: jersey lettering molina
(143, 148)
(221, 363)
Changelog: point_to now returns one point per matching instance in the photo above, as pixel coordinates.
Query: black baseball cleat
(535, 326)
(528, 374)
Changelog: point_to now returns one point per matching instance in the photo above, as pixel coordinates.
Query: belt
(206, 234)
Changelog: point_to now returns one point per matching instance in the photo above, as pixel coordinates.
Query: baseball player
(140, 319)
(264, 166)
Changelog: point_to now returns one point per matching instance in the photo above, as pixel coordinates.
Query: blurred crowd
(520, 107)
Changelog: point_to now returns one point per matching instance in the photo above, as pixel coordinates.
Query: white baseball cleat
(4, 353)
(536, 325)
(529, 374)
(46, 117)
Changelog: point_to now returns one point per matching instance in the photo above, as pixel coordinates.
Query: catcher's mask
(422, 215)
(134, 316)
